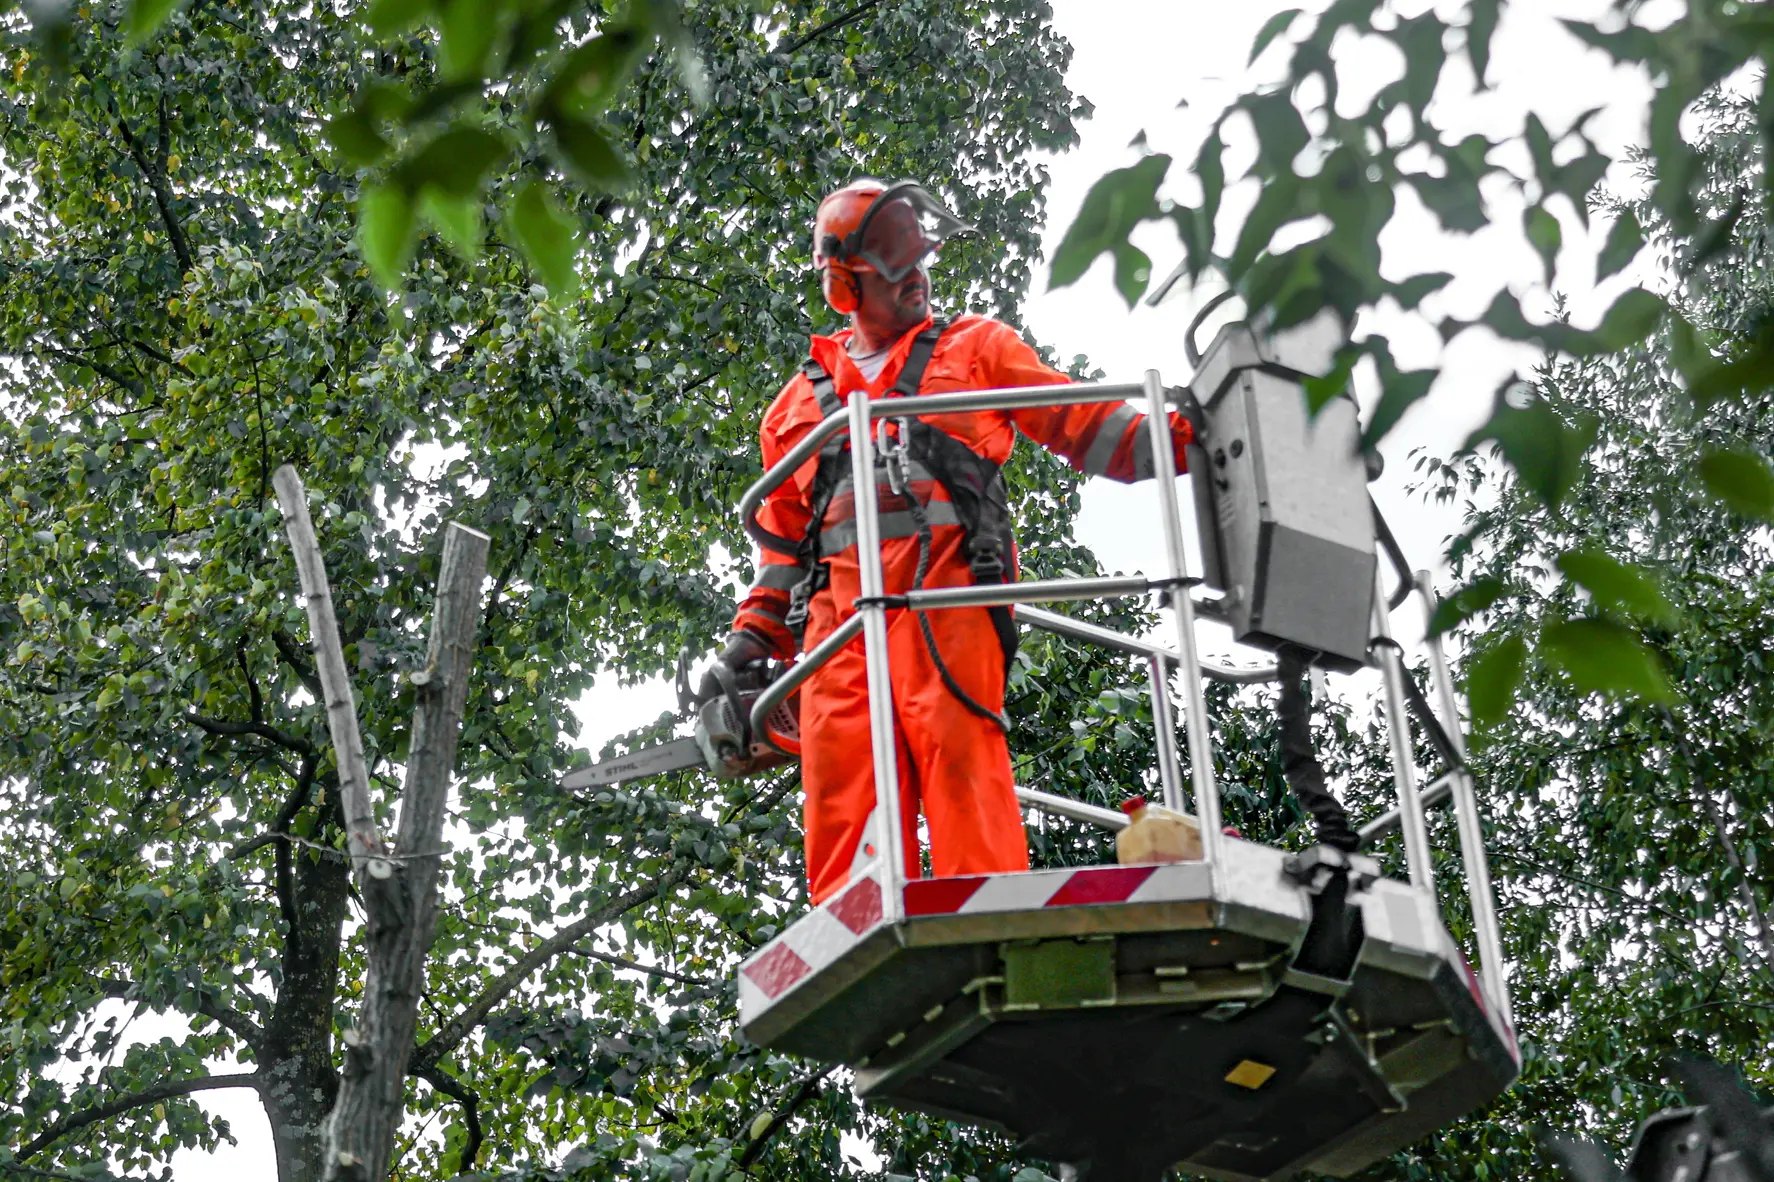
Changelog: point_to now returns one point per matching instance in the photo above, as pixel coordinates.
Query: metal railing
(1174, 590)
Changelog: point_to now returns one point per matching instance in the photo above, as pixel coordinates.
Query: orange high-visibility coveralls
(953, 762)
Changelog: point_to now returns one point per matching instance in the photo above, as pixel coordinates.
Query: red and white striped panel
(809, 945)
(824, 934)
(1084, 886)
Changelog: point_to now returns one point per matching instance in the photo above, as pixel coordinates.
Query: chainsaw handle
(724, 674)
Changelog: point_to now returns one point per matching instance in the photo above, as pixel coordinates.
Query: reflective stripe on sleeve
(1107, 439)
(841, 535)
(779, 576)
(758, 609)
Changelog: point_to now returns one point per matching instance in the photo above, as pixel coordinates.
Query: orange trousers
(954, 765)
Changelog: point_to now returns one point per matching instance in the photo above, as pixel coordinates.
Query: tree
(1630, 833)
(1341, 175)
(185, 308)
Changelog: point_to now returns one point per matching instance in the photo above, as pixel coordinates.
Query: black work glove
(742, 648)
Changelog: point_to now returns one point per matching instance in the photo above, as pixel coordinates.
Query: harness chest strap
(974, 485)
(833, 466)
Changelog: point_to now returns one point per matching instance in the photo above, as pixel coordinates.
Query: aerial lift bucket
(1250, 1015)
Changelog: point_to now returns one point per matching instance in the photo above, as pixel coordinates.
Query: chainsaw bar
(670, 757)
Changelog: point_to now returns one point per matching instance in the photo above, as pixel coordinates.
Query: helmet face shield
(901, 227)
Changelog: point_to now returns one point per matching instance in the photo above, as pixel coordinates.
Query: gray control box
(1281, 498)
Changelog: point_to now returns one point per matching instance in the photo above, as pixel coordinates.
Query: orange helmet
(870, 225)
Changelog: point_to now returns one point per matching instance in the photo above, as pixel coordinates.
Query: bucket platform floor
(1128, 1018)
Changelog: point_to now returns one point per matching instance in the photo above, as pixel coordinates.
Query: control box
(1287, 529)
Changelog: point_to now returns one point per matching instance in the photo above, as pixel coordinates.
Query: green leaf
(466, 30)
(1492, 678)
(1630, 319)
(1399, 391)
(143, 18)
(1276, 205)
(548, 239)
(1544, 235)
(1454, 200)
(1465, 603)
(590, 76)
(1750, 373)
(1546, 454)
(1320, 389)
(1742, 479)
(1630, 44)
(1413, 291)
(387, 17)
(1624, 240)
(1617, 586)
(1601, 657)
(357, 137)
(590, 156)
(455, 162)
(1119, 201)
(1272, 28)
(385, 232)
(1481, 25)
(456, 218)
(1717, 235)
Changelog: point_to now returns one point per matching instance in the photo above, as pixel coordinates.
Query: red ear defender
(842, 291)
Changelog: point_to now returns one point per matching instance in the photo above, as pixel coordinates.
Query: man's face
(893, 309)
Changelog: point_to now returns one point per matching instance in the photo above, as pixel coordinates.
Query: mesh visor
(902, 226)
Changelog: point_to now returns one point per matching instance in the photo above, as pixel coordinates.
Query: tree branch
(239, 1024)
(836, 22)
(166, 1091)
(363, 837)
(120, 380)
(401, 907)
(620, 963)
(1743, 888)
(456, 1090)
(292, 805)
(218, 726)
(804, 1093)
(162, 196)
(291, 652)
(446, 1040)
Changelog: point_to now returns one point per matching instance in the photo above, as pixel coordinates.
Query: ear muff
(842, 291)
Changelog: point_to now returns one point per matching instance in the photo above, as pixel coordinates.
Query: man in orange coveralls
(870, 240)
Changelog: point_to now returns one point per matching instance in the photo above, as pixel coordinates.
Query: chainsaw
(724, 740)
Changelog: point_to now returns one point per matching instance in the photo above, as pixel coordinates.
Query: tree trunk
(297, 1059)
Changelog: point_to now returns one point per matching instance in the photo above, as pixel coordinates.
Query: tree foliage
(1334, 173)
(189, 302)
(1631, 835)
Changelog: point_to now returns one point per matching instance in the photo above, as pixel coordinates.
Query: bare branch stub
(365, 841)
(401, 903)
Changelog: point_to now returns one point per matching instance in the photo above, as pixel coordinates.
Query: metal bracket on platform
(1315, 867)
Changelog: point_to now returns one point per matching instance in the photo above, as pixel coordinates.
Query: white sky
(1135, 59)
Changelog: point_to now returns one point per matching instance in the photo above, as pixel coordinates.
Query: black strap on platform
(1299, 760)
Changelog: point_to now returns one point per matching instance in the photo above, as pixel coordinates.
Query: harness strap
(975, 490)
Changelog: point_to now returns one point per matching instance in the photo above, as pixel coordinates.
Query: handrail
(1437, 793)
(1133, 646)
(1032, 591)
(778, 691)
(1076, 810)
(1012, 398)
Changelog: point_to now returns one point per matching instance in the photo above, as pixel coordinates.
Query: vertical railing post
(1398, 730)
(1182, 609)
(1473, 858)
(888, 838)
(1164, 728)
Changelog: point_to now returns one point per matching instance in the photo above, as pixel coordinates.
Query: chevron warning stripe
(1025, 892)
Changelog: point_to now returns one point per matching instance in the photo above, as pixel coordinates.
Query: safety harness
(975, 486)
